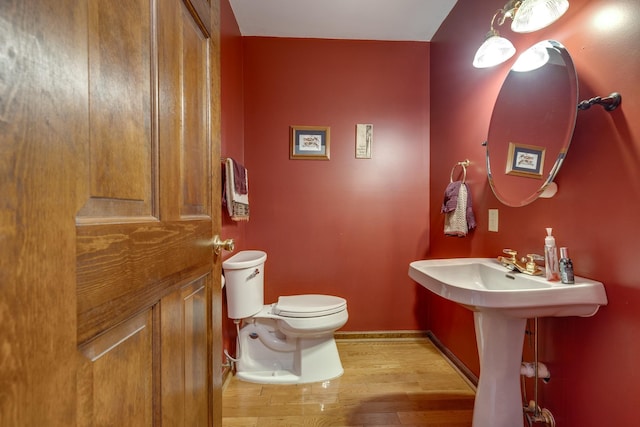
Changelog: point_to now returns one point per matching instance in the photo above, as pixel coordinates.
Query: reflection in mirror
(532, 123)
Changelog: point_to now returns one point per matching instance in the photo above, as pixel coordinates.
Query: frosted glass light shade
(495, 50)
(533, 15)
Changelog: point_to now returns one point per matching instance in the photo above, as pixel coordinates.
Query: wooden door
(109, 199)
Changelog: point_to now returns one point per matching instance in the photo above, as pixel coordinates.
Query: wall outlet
(493, 220)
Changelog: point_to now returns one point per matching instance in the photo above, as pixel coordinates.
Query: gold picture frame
(310, 142)
(525, 160)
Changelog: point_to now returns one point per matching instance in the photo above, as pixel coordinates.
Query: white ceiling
(405, 20)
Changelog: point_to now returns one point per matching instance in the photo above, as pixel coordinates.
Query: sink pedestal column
(498, 400)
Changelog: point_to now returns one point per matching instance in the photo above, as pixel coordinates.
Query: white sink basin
(501, 302)
(484, 284)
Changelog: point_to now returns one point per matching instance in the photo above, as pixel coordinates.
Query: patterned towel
(237, 203)
(459, 218)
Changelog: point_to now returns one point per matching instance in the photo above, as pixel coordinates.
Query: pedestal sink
(501, 302)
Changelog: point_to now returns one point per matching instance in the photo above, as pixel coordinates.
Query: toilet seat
(305, 316)
(311, 305)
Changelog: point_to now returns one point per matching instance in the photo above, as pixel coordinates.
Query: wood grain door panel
(121, 156)
(125, 268)
(195, 152)
(184, 362)
(109, 127)
(143, 235)
(116, 387)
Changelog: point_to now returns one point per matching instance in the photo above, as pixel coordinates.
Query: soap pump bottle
(551, 257)
(566, 267)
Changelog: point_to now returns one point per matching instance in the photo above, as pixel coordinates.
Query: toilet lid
(309, 305)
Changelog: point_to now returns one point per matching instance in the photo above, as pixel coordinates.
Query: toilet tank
(244, 274)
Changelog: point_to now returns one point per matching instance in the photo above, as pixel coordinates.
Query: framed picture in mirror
(525, 160)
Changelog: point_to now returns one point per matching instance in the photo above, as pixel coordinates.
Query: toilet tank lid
(298, 305)
(244, 259)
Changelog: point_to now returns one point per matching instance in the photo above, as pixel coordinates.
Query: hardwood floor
(397, 382)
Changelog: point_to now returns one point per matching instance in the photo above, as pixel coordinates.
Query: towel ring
(464, 165)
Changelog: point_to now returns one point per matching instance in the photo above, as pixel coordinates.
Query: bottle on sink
(566, 267)
(551, 257)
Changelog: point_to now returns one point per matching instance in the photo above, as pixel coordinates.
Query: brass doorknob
(220, 245)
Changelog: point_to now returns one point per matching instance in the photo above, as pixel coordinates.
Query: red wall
(350, 227)
(345, 226)
(593, 361)
(232, 130)
(232, 121)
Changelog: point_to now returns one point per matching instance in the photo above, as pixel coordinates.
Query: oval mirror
(532, 123)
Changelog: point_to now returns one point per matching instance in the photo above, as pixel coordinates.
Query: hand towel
(236, 195)
(459, 218)
(239, 178)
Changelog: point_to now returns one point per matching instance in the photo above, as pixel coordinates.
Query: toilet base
(278, 377)
(268, 357)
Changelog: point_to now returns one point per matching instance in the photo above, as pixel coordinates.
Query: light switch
(493, 220)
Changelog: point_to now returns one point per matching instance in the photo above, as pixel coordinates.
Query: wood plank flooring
(397, 382)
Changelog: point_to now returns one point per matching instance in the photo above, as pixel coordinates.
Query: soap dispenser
(551, 257)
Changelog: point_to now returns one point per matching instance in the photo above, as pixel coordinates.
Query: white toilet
(288, 342)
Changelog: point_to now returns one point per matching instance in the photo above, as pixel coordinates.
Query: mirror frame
(532, 191)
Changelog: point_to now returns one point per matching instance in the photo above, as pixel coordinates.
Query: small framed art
(525, 160)
(364, 140)
(309, 142)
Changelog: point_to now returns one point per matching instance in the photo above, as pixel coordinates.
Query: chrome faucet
(527, 264)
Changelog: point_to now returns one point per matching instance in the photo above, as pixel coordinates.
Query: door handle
(220, 245)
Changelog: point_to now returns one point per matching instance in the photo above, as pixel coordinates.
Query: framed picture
(525, 160)
(309, 142)
(364, 140)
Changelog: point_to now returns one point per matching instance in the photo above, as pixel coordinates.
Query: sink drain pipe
(533, 411)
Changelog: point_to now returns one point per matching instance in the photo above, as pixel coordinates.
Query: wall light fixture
(527, 16)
